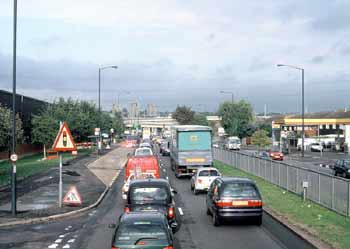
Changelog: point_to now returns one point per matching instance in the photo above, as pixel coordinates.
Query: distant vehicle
(142, 164)
(229, 198)
(233, 143)
(342, 168)
(132, 177)
(132, 141)
(190, 148)
(316, 147)
(264, 155)
(146, 133)
(143, 230)
(145, 144)
(164, 148)
(275, 154)
(202, 179)
(143, 151)
(151, 195)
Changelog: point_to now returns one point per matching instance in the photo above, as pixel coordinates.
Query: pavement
(38, 195)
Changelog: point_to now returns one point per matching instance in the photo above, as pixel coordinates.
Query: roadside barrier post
(60, 184)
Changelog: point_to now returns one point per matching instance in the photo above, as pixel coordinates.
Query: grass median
(319, 221)
(33, 164)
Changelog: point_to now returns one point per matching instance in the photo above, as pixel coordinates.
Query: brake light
(223, 203)
(113, 247)
(255, 203)
(168, 247)
(126, 209)
(171, 212)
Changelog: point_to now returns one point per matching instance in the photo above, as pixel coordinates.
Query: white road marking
(75, 236)
(66, 246)
(58, 241)
(167, 178)
(164, 170)
(71, 241)
(53, 246)
(61, 236)
(180, 211)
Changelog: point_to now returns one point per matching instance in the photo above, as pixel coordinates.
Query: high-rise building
(133, 110)
(151, 110)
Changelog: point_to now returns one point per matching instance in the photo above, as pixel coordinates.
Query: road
(91, 230)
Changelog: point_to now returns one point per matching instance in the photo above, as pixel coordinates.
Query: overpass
(155, 124)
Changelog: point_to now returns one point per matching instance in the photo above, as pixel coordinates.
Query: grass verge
(319, 221)
(30, 165)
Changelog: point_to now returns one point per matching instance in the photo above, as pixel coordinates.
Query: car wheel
(335, 173)
(343, 174)
(195, 191)
(258, 221)
(192, 187)
(216, 221)
(208, 211)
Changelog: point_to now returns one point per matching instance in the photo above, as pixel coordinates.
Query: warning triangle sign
(72, 198)
(64, 140)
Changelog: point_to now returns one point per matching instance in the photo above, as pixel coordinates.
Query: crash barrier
(327, 190)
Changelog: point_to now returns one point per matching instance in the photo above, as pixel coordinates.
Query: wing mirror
(174, 227)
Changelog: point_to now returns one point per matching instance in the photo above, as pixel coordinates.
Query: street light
(13, 176)
(302, 104)
(228, 92)
(99, 103)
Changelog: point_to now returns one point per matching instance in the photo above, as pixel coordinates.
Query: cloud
(317, 59)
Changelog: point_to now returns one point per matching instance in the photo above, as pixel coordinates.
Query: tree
(236, 118)
(260, 138)
(266, 127)
(6, 127)
(200, 119)
(184, 115)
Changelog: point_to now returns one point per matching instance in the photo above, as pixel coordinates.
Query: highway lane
(91, 230)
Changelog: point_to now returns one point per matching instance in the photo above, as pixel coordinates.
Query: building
(321, 124)
(133, 110)
(151, 110)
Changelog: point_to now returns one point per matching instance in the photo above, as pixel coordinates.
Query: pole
(99, 144)
(232, 98)
(302, 114)
(13, 177)
(60, 184)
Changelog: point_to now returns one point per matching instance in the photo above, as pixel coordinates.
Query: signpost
(63, 142)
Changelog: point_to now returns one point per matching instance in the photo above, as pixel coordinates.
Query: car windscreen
(143, 152)
(347, 163)
(141, 232)
(240, 190)
(208, 173)
(149, 194)
(234, 141)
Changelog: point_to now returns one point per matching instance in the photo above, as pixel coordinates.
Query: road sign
(64, 140)
(13, 158)
(72, 198)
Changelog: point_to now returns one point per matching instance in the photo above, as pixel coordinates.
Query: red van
(142, 164)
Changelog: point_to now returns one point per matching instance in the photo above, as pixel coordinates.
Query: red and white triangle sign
(72, 198)
(64, 140)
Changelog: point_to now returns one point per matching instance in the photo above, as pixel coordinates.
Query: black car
(231, 198)
(143, 230)
(164, 149)
(342, 168)
(152, 195)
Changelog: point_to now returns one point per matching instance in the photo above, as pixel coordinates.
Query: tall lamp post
(13, 150)
(228, 92)
(99, 104)
(302, 104)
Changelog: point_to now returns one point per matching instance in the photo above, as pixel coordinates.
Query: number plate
(240, 203)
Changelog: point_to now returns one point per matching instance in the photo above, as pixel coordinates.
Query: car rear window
(347, 163)
(240, 190)
(141, 231)
(208, 173)
(143, 152)
(146, 194)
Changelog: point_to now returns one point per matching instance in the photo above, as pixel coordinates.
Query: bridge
(155, 124)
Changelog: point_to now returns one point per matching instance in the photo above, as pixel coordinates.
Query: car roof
(142, 216)
(207, 168)
(153, 182)
(192, 128)
(236, 180)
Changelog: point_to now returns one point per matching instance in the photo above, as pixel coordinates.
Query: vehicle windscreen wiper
(144, 238)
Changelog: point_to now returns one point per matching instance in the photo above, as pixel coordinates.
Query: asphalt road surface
(91, 230)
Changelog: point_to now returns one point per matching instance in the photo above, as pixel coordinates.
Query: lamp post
(302, 104)
(228, 92)
(13, 150)
(99, 103)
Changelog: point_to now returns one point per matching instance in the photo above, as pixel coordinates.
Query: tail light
(168, 247)
(255, 203)
(113, 247)
(126, 209)
(223, 203)
(171, 212)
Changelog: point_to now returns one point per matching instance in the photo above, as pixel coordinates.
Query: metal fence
(327, 190)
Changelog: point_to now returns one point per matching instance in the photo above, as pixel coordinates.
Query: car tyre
(258, 221)
(195, 191)
(216, 220)
(192, 187)
(208, 211)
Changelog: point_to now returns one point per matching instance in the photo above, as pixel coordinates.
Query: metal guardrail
(327, 190)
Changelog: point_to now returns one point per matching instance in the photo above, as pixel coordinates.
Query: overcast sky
(181, 52)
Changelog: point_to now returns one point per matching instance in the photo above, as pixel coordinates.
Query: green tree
(266, 127)
(6, 127)
(184, 115)
(236, 118)
(200, 119)
(261, 139)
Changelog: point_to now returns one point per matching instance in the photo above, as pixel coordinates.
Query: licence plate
(240, 203)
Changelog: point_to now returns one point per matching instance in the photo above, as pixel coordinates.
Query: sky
(181, 52)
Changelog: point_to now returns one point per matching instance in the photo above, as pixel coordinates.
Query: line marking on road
(180, 211)
(167, 178)
(66, 246)
(61, 236)
(164, 170)
(71, 241)
(58, 241)
(53, 246)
